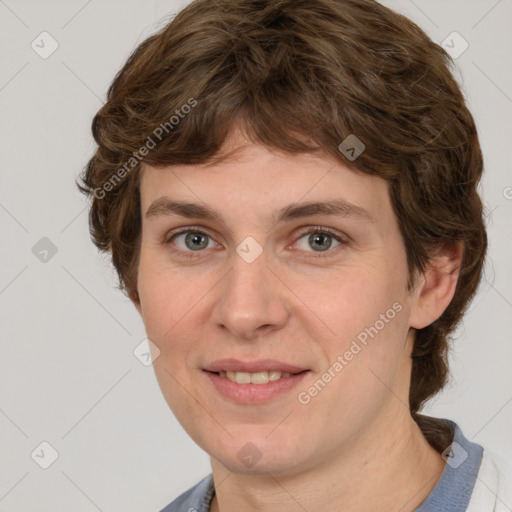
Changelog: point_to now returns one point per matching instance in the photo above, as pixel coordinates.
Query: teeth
(274, 375)
(253, 378)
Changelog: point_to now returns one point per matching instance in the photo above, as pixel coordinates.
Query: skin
(354, 446)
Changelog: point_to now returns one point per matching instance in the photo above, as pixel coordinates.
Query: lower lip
(254, 393)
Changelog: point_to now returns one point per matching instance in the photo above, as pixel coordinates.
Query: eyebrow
(339, 207)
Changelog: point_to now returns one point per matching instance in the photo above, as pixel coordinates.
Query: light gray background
(67, 369)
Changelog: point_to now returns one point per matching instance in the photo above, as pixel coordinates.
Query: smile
(253, 388)
(254, 378)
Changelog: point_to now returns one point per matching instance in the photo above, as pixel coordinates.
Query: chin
(261, 468)
(251, 458)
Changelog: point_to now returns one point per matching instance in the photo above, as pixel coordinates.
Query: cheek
(169, 310)
(166, 297)
(366, 355)
(351, 300)
(360, 379)
(367, 316)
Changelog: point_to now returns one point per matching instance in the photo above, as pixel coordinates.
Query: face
(258, 278)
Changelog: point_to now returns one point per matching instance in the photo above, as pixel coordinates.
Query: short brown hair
(300, 76)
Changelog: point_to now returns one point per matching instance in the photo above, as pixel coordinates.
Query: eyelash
(316, 229)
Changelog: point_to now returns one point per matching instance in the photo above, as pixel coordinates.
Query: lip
(261, 365)
(254, 393)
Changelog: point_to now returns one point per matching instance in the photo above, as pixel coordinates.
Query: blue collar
(455, 486)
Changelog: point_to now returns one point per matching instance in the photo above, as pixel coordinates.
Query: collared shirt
(470, 482)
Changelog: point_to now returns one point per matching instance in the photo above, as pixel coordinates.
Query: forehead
(257, 181)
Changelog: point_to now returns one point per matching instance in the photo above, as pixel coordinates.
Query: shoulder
(195, 499)
(493, 487)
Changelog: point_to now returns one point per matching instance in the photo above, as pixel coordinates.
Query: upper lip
(260, 365)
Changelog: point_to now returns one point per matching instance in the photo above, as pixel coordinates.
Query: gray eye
(322, 241)
(196, 241)
(318, 241)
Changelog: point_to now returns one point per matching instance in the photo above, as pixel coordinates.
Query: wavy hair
(300, 76)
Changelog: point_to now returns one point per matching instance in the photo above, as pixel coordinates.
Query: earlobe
(437, 286)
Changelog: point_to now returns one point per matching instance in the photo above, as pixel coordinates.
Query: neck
(397, 473)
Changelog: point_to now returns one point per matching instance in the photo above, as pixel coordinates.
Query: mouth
(259, 366)
(253, 382)
(258, 378)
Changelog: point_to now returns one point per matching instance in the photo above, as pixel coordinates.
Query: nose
(252, 300)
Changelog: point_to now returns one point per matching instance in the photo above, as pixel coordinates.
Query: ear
(436, 286)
